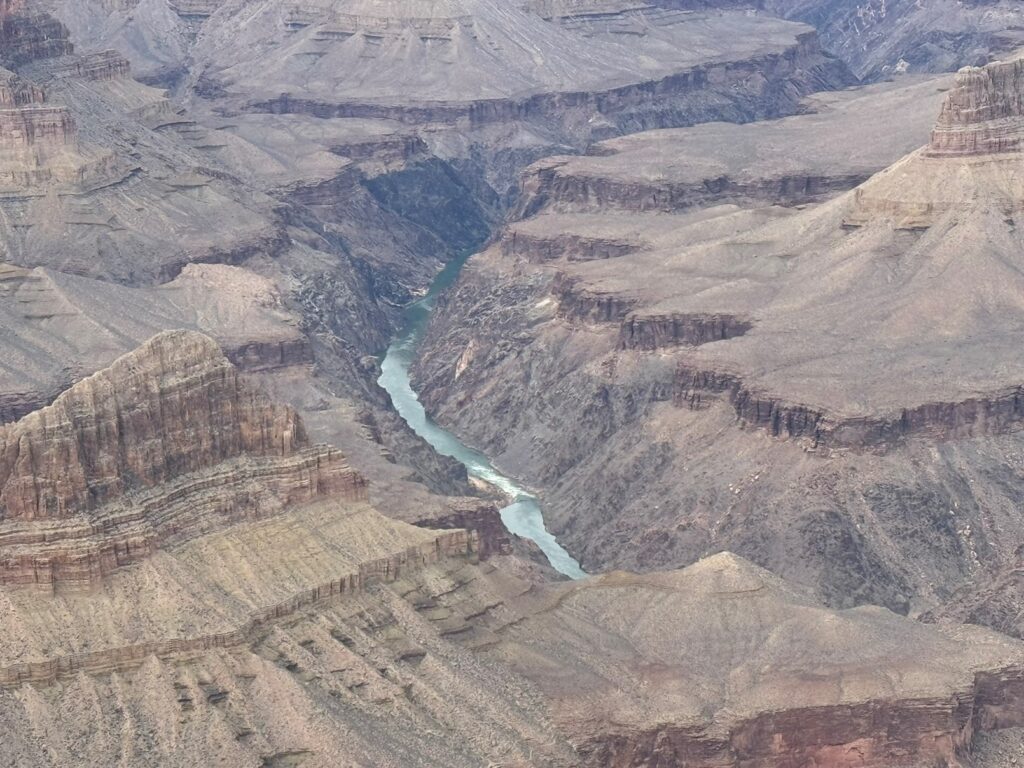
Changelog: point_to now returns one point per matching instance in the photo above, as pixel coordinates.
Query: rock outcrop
(678, 169)
(164, 445)
(100, 66)
(27, 35)
(984, 113)
(59, 331)
(851, 432)
(642, 682)
(27, 122)
(36, 127)
(651, 332)
(39, 147)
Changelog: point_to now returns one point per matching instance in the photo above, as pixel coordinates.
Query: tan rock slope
(58, 328)
(723, 664)
(831, 391)
(166, 444)
(567, 73)
(319, 633)
(244, 615)
(110, 198)
(187, 576)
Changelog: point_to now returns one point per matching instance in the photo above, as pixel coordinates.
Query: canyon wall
(680, 376)
(757, 87)
(984, 112)
(456, 544)
(27, 36)
(165, 445)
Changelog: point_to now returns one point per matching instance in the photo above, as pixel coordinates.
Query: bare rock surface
(722, 664)
(165, 444)
(828, 390)
(673, 169)
(983, 114)
(200, 521)
(58, 327)
(879, 37)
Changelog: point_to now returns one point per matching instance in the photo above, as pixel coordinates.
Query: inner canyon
(520, 383)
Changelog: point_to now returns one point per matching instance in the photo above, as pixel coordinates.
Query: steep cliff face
(165, 444)
(879, 37)
(28, 35)
(36, 127)
(811, 388)
(984, 113)
(173, 407)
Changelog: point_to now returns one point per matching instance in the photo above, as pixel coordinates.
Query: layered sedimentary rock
(271, 640)
(104, 65)
(36, 126)
(152, 218)
(244, 589)
(880, 37)
(14, 92)
(166, 444)
(30, 129)
(672, 170)
(58, 326)
(304, 628)
(39, 146)
(408, 54)
(121, 202)
(854, 433)
(27, 34)
(983, 114)
(641, 679)
(471, 66)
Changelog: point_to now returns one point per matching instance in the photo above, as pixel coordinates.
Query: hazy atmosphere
(512, 383)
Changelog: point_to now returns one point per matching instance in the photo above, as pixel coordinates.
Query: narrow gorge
(523, 515)
(530, 383)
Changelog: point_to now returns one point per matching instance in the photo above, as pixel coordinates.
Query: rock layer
(984, 113)
(164, 445)
(27, 36)
(641, 682)
(879, 349)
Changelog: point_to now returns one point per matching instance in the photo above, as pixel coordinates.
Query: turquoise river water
(523, 516)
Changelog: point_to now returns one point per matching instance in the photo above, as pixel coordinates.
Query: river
(524, 516)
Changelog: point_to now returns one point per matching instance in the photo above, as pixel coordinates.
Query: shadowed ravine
(524, 516)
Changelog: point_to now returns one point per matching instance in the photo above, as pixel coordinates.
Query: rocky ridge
(655, 697)
(984, 113)
(674, 169)
(274, 598)
(250, 609)
(679, 340)
(880, 37)
(164, 445)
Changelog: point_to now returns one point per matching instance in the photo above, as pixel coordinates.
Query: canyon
(880, 37)
(728, 319)
(284, 614)
(764, 367)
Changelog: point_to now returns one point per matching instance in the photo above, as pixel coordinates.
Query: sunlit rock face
(166, 444)
(984, 113)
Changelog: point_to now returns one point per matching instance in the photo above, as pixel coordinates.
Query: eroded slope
(812, 388)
